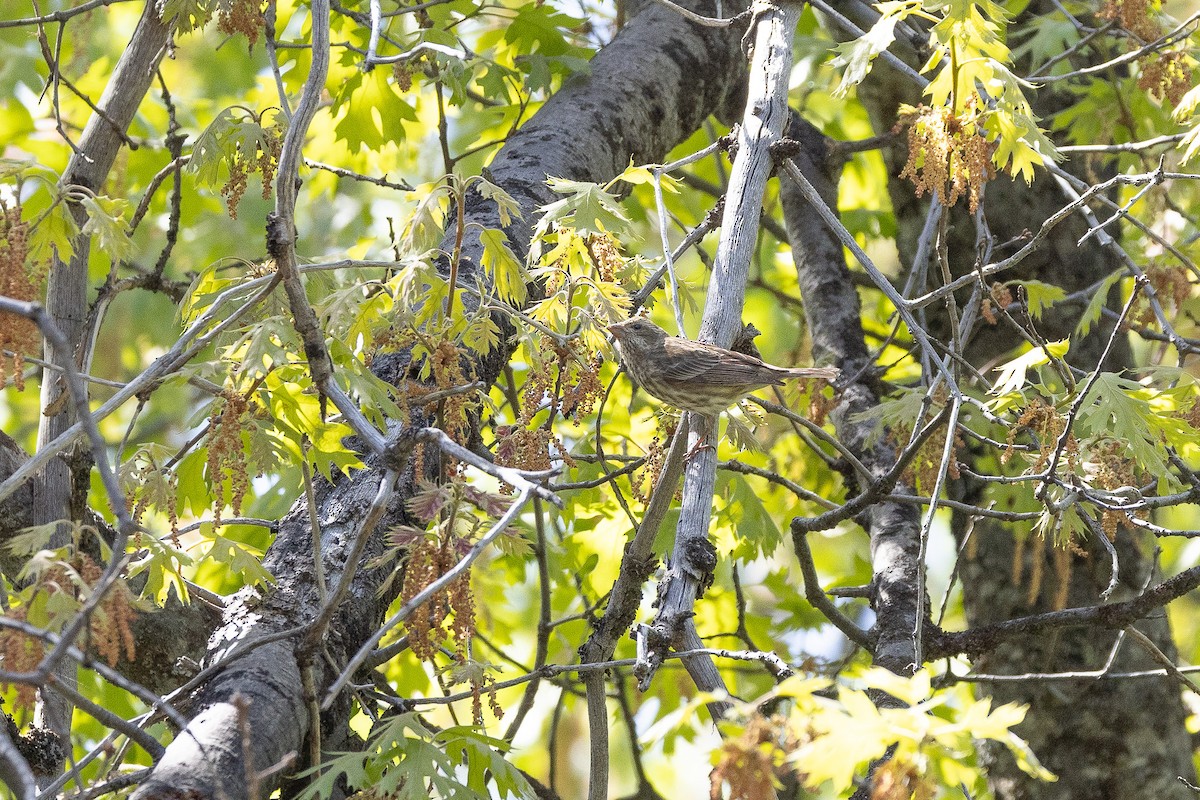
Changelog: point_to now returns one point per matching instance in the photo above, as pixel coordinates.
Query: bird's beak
(612, 329)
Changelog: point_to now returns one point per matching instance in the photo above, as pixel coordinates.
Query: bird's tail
(828, 373)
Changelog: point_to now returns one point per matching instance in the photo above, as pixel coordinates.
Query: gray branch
(832, 308)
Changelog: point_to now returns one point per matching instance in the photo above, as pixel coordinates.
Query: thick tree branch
(983, 638)
(833, 311)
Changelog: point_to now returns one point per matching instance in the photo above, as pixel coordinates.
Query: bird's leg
(702, 442)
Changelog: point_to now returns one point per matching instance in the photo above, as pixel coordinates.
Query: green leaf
(540, 28)
(644, 175)
(375, 397)
(587, 208)
(424, 227)
(1026, 759)
(53, 235)
(508, 206)
(1140, 417)
(901, 409)
(507, 274)
(855, 57)
(187, 15)
(107, 223)
(481, 334)
(31, 540)
(209, 152)
(163, 567)
(1040, 296)
(374, 112)
(404, 759)
(1050, 36)
(1096, 304)
(241, 560)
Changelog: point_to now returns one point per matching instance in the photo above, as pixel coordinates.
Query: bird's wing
(688, 360)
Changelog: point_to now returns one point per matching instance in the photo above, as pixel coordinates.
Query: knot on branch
(729, 142)
(641, 569)
(699, 559)
(785, 148)
(653, 644)
(41, 748)
(280, 236)
(399, 447)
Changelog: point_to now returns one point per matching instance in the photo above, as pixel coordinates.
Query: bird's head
(638, 334)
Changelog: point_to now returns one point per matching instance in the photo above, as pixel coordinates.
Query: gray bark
(693, 557)
(833, 313)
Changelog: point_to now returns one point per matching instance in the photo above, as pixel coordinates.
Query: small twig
(1123, 211)
(402, 186)
(984, 638)
(281, 238)
(1077, 203)
(1125, 58)
(1102, 537)
(59, 16)
(668, 261)
(272, 57)
(903, 307)
(699, 19)
(269, 524)
(152, 188)
(926, 528)
(775, 408)
(1158, 655)
(733, 465)
(816, 596)
(114, 785)
(1124, 147)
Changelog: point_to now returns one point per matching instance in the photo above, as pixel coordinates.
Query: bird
(695, 376)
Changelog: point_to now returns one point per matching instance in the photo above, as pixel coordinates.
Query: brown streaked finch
(695, 376)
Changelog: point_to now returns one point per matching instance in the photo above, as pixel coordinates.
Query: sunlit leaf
(1012, 373)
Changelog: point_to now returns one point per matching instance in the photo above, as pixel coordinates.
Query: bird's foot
(700, 446)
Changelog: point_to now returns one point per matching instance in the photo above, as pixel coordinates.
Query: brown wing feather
(687, 360)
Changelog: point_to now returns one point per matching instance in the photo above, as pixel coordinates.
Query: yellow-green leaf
(106, 221)
(502, 266)
(1012, 373)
